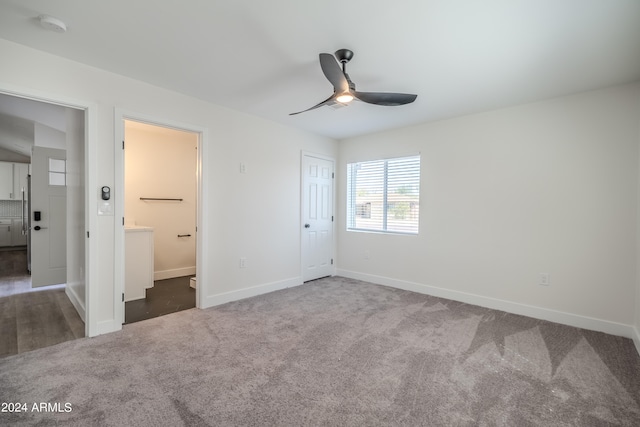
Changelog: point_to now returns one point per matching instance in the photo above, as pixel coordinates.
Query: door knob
(37, 227)
(307, 225)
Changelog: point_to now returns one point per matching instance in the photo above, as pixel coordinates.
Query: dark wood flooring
(166, 296)
(32, 318)
(13, 262)
(35, 318)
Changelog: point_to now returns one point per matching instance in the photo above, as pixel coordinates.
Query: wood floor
(32, 318)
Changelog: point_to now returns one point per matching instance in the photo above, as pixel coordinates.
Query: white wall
(76, 227)
(162, 162)
(45, 136)
(255, 215)
(16, 136)
(549, 187)
(10, 156)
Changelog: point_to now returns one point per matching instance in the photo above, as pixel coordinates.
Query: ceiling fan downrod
(344, 56)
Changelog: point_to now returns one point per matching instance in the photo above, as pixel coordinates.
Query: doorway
(160, 219)
(53, 303)
(317, 216)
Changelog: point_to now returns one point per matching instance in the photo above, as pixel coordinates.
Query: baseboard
(176, 272)
(636, 338)
(564, 318)
(225, 297)
(77, 303)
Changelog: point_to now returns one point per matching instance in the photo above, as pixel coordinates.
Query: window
(384, 195)
(57, 172)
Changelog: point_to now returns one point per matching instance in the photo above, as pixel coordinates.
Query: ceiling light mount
(52, 24)
(344, 55)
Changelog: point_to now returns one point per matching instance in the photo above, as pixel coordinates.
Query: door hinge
(122, 220)
(123, 297)
(331, 218)
(123, 145)
(87, 234)
(331, 261)
(333, 175)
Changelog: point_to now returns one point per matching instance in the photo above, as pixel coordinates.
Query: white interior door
(317, 217)
(49, 202)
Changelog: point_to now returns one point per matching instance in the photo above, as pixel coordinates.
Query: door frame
(91, 302)
(202, 270)
(304, 154)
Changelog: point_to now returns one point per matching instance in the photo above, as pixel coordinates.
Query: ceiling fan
(344, 90)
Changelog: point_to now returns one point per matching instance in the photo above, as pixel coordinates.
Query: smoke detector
(52, 24)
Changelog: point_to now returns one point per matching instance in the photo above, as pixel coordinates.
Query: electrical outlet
(243, 263)
(545, 279)
(243, 168)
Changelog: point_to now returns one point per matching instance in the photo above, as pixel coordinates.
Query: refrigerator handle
(24, 219)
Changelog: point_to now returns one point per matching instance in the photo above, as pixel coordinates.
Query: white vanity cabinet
(138, 264)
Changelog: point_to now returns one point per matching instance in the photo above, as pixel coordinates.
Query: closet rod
(159, 198)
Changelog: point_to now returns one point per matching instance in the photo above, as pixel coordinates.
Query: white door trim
(303, 154)
(202, 222)
(90, 109)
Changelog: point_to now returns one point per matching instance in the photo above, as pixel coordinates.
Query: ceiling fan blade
(333, 72)
(330, 100)
(384, 98)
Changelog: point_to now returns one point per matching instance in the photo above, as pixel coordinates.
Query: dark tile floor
(166, 296)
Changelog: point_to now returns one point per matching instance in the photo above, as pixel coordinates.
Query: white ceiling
(18, 118)
(261, 57)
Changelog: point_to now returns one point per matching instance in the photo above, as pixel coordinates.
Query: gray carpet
(333, 352)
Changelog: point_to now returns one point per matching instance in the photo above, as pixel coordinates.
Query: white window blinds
(384, 195)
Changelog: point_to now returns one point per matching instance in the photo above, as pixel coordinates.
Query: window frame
(353, 210)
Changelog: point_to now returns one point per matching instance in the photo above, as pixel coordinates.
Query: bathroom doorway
(160, 220)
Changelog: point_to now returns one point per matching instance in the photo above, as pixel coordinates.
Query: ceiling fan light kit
(344, 98)
(344, 90)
